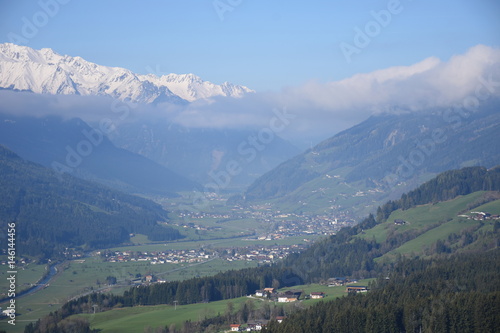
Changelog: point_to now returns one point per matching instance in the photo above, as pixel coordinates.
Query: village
(260, 254)
(280, 225)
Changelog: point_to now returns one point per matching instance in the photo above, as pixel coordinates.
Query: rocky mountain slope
(381, 158)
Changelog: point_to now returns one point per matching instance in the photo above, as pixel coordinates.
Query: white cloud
(322, 109)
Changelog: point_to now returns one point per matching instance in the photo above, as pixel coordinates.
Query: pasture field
(26, 276)
(136, 319)
(442, 220)
(421, 217)
(76, 278)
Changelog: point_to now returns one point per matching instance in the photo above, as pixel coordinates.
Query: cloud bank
(329, 107)
(319, 109)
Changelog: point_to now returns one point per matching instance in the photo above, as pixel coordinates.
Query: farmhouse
(356, 289)
(337, 281)
(235, 327)
(399, 222)
(293, 293)
(270, 290)
(259, 293)
(317, 295)
(282, 298)
(257, 325)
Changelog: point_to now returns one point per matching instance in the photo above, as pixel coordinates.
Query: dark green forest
(53, 212)
(460, 293)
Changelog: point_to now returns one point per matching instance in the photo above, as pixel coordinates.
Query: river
(40, 285)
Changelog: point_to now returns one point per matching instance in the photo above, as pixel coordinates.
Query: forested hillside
(458, 294)
(54, 212)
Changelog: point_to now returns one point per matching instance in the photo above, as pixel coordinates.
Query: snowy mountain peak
(45, 71)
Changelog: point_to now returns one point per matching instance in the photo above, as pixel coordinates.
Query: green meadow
(136, 319)
(76, 278)
(438, 221)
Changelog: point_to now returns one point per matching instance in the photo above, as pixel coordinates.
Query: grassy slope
(441, 218)
(421, 217)
(135, 319)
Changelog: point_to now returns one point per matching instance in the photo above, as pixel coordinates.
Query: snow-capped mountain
(45, 71)
(191, 87)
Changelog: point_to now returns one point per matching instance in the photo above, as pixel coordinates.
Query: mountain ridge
(72, 146)
(45, 71)
(376, 160)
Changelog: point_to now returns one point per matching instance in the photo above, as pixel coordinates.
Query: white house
(235, 327)
(282, 299)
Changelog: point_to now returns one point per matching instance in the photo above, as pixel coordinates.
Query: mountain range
(361, 167)
(381, 158)
(188, 152)
(200, 153)
(45, 71)
(73, 147)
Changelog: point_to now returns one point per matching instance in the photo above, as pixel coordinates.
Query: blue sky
(263, 44)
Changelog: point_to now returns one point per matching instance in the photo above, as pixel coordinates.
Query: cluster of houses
(274, 295)
(288, 296)
(287, 225)
(340, 281)
(482, 216)
(262, 254)
(284, 297)
(160, 257)
(255, 325)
